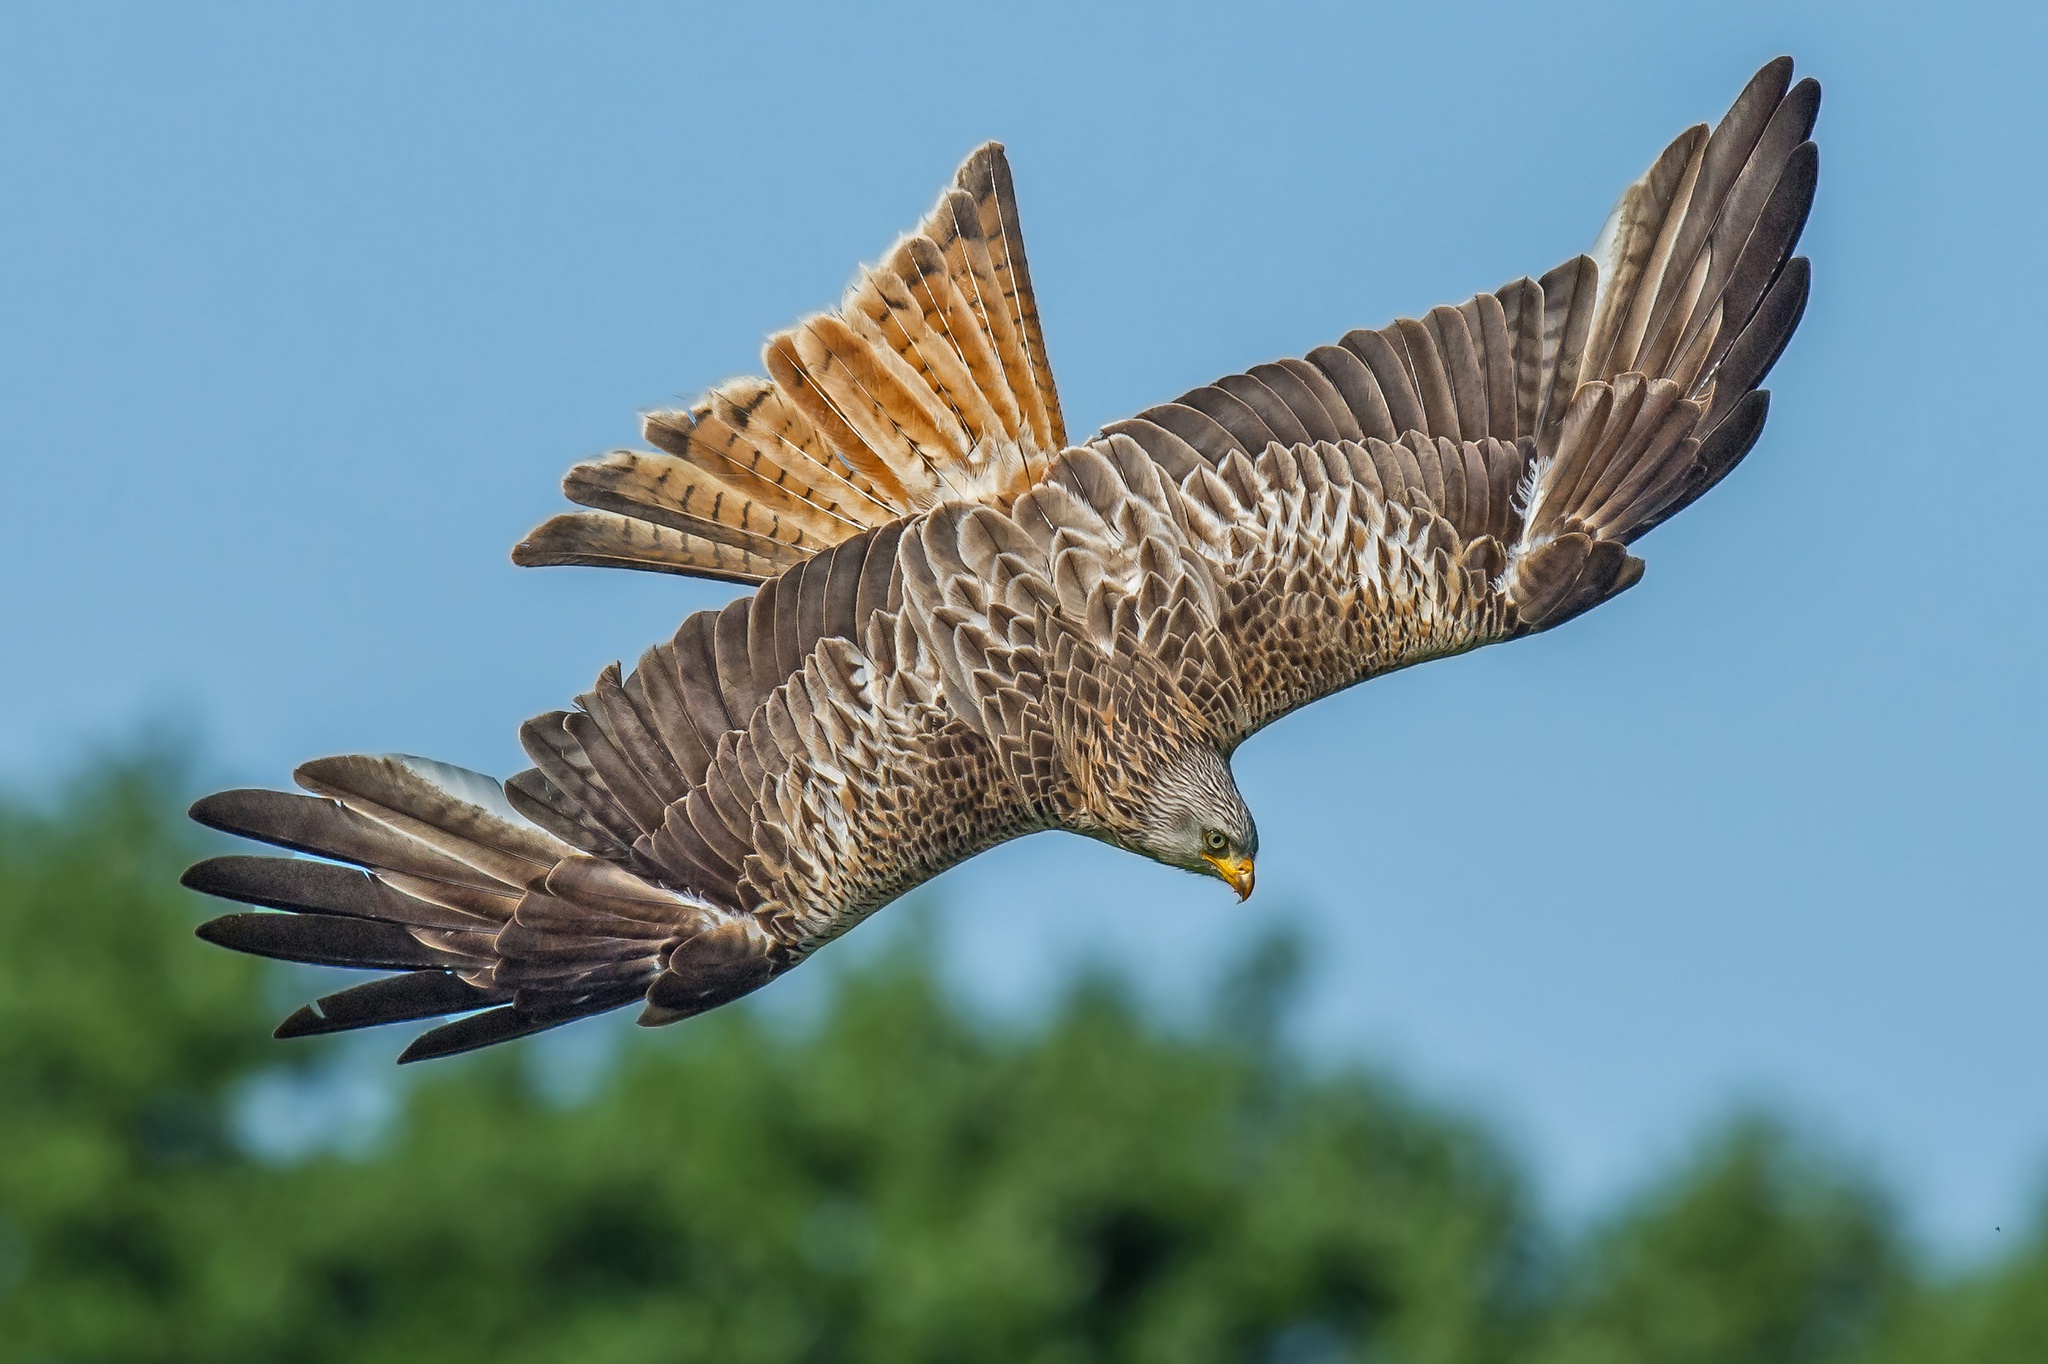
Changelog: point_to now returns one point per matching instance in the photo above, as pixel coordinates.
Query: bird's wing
(481, 912)
(1512, 447)
(1691, 283)
(755, 786)
(928, 383)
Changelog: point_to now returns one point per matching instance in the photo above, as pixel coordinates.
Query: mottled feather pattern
(1626, 381)
(964, 632)
(922, 735)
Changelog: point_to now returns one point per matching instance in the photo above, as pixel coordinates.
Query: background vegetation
(889, 1180)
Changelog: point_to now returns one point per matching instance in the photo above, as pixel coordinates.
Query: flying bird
(965, 630)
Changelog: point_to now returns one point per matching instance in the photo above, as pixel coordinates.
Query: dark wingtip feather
(283, 819)
(229, 811)
(321, 940)
(237, 877)
(1722, 451)
(477, 1030)
(304, 1021)
(1756, 350)
(1807, 90)
(1736, 436)
(393, 999)
(284, 883)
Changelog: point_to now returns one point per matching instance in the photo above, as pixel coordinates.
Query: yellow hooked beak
(1236, 870)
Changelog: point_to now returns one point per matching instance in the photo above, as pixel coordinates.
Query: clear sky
(304, 310)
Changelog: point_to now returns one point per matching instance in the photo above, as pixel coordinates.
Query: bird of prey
(966, 630)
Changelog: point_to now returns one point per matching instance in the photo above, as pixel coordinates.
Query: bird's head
(1192, 817)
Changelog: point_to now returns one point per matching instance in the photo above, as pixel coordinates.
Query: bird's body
(966, 631)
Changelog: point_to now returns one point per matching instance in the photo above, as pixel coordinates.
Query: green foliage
(891, 1180)
(1997, 1318)
(119, 1048)
(1759, 1252)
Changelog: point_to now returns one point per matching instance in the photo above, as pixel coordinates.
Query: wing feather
(1596, 394)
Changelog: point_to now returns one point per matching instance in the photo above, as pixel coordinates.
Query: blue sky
(306, 310)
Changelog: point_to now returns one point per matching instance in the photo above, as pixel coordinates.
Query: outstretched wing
(481, 912)
(1513, 446)
(928, 383)
(754, 787)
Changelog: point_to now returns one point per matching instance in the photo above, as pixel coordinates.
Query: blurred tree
(1999, 1316)
(893, 1183)
(119, 1048)
(1759, 1252)
(888, 1180)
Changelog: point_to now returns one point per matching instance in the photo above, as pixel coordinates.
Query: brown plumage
(964, 633)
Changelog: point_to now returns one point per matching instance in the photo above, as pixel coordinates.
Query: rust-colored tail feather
(929, 384)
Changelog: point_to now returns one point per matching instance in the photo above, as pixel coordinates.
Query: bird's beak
(1237, 871)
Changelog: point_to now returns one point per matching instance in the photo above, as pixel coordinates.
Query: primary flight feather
(965, 630)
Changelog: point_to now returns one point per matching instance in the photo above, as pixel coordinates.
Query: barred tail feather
(929, 383)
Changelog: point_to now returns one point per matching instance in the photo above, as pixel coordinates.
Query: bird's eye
(1214, 841)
